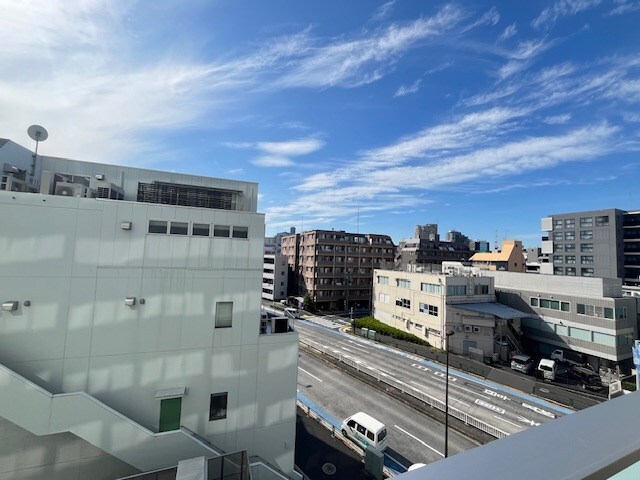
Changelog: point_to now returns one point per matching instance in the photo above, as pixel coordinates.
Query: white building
(428, 305)
(130, 324)
(275, 277)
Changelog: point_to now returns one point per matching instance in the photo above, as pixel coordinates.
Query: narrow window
(201, 229)
(218, 406)
(179, 228)
(240, 232)
(221, 231)
(224, 314)
(157, 226)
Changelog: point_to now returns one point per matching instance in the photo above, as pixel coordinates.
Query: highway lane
(495, 405)
(412, 436)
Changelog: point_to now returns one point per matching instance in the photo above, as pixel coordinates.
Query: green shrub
(384, 329)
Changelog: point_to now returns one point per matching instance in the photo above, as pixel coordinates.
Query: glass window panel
(224, 314)
(157, 226)
(201, 229)
(221, 231)
(179, 228)
(240, 232)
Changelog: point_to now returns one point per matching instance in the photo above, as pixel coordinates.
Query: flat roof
(493, 308)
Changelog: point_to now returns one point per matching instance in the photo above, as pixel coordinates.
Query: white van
(522, 363)
(366, 431)
(547, 369)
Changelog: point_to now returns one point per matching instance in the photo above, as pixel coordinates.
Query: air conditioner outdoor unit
(65, 189)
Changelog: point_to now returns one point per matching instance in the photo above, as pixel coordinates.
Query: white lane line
(417, 439)
(420, 385)
(510, 423)
(460, 401)
(310, 374)
(462, 388)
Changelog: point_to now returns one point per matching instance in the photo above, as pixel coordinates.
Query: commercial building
(336, 267)
(428, 305)
(600, 243)
(130, 322)
(426, 250)
(509, 259)
(590, 316)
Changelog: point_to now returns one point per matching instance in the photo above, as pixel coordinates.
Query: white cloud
(557, 119)
(625, 7)
(492, 17)
(383, 11)
(408, 89)
(272, 161)
(508, 32)
(291, 148)
(562, 8)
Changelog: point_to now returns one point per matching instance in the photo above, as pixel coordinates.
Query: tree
(308, 303)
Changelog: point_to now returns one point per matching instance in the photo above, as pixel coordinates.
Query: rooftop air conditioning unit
(64, 189)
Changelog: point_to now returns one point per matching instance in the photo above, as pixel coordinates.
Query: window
(604, 339)
(570, 223)
(200, 229)
(565, 306)
(403, 302)
(571, 271)
(558, 247)
(586, 272)
(586, 234)
(383, 298)
(170, 409)
(580, 333)
(179, 228)
(570, 247)
(570, 235)
(570, 259)
(557, 224)
(218, 406)
(545, 303)
(476, 329)
(608, 312)
(224, 314)
(558, 236)
(534, 302)
(586, 259)
(402, 283)
(157, 226)
(558, 271)
(370, 436)
(456, 290)
(240, 232)
(383, 280)
(221, 231)
(621, 313)
(431, 288)
(429, 309)
(558, 259)
(580, 308)
(586, 222)
(586, 247)
(481, 289)
(602, 221)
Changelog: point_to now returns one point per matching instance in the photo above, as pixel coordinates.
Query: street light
(446, 397)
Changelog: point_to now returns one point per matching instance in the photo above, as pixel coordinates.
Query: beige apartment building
(509, 259)
(336, 267)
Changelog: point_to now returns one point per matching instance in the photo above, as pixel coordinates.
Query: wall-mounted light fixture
(10, 306)
(125, 225)
(142, 301)
(130, 301)
(27, 303)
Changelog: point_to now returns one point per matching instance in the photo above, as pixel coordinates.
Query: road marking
(462, 388)
(420, 385)
(496, 394)
(421, 367)
(539, 410)
(460, 401)
(526, 420)
(505, 420)
(484, 404)
(417, 439)
(443, 375)
(310, 374)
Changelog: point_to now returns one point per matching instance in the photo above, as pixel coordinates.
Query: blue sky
(366, 116)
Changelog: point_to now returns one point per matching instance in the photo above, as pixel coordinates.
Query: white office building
(275, 277)
(130, 322)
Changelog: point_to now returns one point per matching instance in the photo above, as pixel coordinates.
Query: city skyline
(370, 117)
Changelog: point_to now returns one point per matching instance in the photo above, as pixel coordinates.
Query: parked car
(522, 363)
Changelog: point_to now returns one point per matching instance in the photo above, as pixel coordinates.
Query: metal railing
(407, 389)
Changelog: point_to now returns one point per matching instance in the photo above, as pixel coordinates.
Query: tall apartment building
(426, 249)
(275, 277)
(587, 315)
(130, 322)
(428, 305)
(336, 267)
(600, 243)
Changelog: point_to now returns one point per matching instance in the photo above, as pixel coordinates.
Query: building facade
(509, 259)
(590, 316)
(275, 277)
(336, 267)
(130, 321)
(428, 305)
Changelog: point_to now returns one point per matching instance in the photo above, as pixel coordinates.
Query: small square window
(221, 231)
(179, 228)
(218, 406)
(224, 314)
(240, 232)
(201, 229)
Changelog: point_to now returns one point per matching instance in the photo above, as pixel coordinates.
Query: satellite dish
(38, 133)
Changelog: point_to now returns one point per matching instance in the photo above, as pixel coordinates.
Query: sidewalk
(320, 456)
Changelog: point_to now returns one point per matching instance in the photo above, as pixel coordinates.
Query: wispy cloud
(439, 68)
(562, 8)
(508, 32)
(407, 89)
(278, 154)
(522, 56)
(557, 119)
(624, 7)
(383, 11)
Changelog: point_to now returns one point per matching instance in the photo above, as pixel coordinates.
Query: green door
(170, 414)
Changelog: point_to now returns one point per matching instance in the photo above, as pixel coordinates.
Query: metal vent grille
(187, 195)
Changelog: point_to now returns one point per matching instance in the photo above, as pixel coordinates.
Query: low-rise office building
(275, 277)
(509, 259)
(130, 322)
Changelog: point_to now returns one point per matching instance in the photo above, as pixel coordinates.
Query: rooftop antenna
(39, 134)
